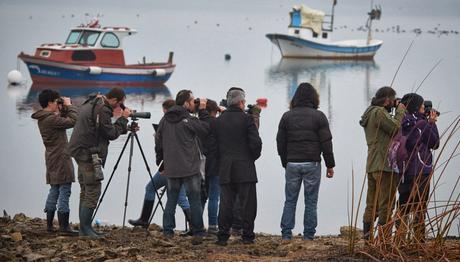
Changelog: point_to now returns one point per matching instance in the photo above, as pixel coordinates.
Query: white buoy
(15, 77)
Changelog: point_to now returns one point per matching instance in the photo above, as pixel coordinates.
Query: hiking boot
(63, 218)
(197, 240)
(49, 221)
(221, 242)
(247, 241)
(143, 221)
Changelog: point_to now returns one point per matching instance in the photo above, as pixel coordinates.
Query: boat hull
(45, 72)
(295, 47)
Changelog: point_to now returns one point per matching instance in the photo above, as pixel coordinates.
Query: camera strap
(96, 120)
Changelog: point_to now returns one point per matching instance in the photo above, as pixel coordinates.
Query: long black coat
(238, 146)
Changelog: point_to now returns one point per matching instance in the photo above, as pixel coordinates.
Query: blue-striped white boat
(309, 37)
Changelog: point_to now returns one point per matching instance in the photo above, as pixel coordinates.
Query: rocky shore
(25, 239)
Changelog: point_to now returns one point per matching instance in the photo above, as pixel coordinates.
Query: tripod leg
(148, 170)
(131, 147)
(111, 176)
(157, 204)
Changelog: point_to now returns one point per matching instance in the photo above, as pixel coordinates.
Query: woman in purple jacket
(422, 137)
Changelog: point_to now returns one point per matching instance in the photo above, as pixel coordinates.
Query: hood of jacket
(176, 113)
(367, 115)
(41, 114)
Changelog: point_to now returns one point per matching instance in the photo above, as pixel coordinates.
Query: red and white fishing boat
(94, 55)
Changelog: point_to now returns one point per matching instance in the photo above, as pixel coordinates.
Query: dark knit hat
(412, 101)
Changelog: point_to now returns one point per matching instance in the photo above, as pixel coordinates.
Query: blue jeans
(58, 194)
(161, 181)
(213, 204)
(193, 189)
(310, 174)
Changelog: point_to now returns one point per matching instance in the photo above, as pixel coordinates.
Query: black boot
(143, 221)
(188, 217)
(366, 230)
(63, 218)
(49, 221)
(85, 222)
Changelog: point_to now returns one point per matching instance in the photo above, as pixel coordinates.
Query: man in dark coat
(239, 146)
(91, 136)
(57, 115)
(177, 144)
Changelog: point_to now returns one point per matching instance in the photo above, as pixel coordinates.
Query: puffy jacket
(84, 136)
(59, 167)
(379, 127)
(177, 141)
(303, 135)
(422, 137)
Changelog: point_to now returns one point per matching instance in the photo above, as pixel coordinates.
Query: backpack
(397, 153)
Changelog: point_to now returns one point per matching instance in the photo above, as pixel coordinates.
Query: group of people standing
(399, 159)
(211, 158)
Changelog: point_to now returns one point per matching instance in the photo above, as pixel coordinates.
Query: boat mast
(374, 14)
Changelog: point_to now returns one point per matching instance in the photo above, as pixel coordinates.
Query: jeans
(58, 194)
(160, 181)
(213, 204)
(193, 189)
(310, 174)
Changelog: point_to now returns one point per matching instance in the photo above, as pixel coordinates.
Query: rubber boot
(366, 230)
(63, 218)
(95, 232)
(49, 221)
(188, 217)
(85, 222)
(146, 212)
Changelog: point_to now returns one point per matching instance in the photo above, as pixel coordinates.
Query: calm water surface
(201, 34)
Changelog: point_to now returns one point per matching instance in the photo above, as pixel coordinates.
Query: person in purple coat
(422, 137)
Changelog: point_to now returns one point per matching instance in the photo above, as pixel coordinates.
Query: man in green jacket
(380, 127)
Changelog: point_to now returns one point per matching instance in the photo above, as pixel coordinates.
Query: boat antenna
(400, 64)
(429, 73)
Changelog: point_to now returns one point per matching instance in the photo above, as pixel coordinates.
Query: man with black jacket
(177, 143)
(91, 135)
(239, 146)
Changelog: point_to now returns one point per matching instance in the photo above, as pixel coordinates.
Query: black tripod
(132, 134)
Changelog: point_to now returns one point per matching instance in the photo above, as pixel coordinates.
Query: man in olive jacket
(91, 135)
(380, 127)
(239, 146)
(57, 115)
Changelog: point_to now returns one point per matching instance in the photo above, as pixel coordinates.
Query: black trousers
(246, 196)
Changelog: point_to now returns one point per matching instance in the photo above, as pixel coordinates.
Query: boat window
(73, 37)
(89, 38)
(315, 35)
(83, 55)
(296, 32)
(324, 35)
(110, 40)
(45, 53)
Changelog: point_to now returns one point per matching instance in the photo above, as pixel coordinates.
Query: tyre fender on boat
(95, 70)
(159, 72)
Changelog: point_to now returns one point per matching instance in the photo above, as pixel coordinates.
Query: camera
(250, 107)
(60, 101)
(135, 115)
(429, 107)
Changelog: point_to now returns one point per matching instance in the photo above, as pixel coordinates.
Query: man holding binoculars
(89, 146)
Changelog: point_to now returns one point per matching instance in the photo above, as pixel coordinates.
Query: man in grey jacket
(91, 135)
(177, 144)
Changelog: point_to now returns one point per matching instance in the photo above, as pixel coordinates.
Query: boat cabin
(89, 45)
(309, 23)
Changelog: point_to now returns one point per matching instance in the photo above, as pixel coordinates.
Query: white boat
(309, 36)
